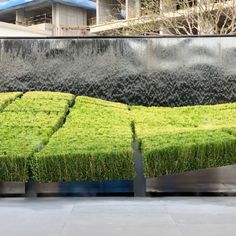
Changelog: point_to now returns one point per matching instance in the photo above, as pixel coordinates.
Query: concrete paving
(164, 216)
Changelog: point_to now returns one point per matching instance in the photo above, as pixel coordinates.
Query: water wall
(164, 71)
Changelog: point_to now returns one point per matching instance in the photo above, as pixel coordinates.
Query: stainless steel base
(86, 187)
(12, 188)
(214, 180)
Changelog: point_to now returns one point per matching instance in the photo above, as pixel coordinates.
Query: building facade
(56, 17)
(91, 17)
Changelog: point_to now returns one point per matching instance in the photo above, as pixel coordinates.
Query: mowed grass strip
(153, 120)
(180, 152)
(38, 105)
(17, 145)
(7, 98)
(175, 140)
(95, 143)
(26, 126)
(50, 96)
(31, 119)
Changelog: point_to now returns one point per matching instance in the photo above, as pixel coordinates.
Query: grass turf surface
(7, 98)
(95, 142)
(175, 140)
(25, 128)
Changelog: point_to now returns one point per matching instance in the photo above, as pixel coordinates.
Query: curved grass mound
(25, 128)
(175, 140)
(94, 144)
(41, 139)
(50, 96)
(7, 98)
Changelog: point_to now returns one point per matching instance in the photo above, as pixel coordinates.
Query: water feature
(167, 71)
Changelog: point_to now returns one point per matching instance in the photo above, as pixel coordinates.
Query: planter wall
(81, 188)
(12, 189)
(144, 71)
(213, 180)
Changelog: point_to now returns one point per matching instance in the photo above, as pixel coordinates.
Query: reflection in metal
(144, 71)
(86, 187)
(83, 188)
(215, 180)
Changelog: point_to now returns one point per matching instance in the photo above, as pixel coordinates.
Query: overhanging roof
(18, 4)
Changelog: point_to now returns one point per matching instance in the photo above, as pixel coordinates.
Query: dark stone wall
(145, 71)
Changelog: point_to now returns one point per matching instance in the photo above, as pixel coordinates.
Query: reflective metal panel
(12, 188)
(86, 187)
(222, 179)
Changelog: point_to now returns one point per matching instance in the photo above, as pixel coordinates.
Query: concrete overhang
(19, 4)
(11, 30)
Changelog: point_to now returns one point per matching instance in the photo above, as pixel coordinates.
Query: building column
(55, 19)
(133, 8)
(67, 20)
(20, 17)
(107, 10)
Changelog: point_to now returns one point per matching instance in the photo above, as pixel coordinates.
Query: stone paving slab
(125, 216)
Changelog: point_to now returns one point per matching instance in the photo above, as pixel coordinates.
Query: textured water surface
(144, 71)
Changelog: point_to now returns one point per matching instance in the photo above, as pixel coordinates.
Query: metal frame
(110, 187)
(213, 180)
(12, 188)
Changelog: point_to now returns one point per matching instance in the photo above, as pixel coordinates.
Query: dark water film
(144, 71)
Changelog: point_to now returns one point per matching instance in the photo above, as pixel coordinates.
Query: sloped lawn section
(95, 143)
(95, 140)
(50, 96)
(7, 98)
(175, 140)
(25, 127)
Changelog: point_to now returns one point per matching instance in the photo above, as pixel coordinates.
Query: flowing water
(145, 71)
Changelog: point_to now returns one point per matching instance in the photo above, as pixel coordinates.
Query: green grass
(49, 95)
(180, 152)
(56, 96)
(31, 119)
(38, 105)
(25, 128)
(7, 98)
(154, 120)
(94, 144)
(16, 147)
(175, 140)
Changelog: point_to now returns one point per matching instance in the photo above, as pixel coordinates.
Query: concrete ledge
(11, 30)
